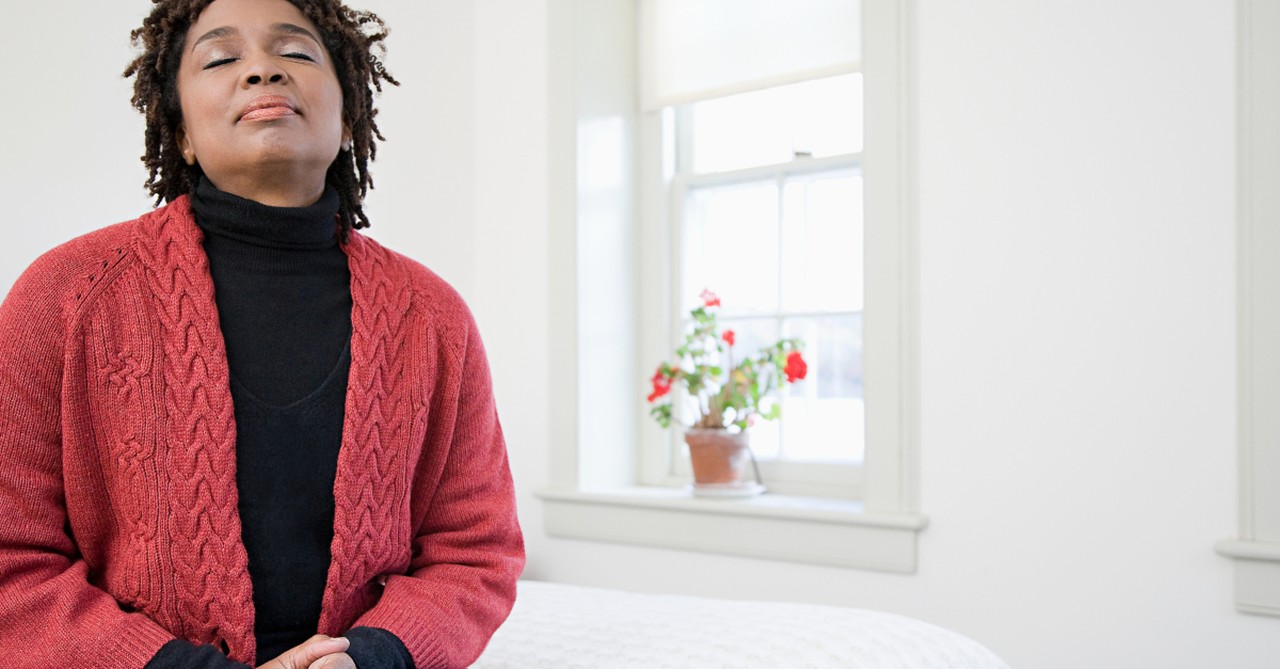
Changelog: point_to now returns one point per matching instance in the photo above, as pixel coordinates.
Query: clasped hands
(318, 652)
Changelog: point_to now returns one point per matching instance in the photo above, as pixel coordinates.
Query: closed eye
(299, 55)
(219, 62)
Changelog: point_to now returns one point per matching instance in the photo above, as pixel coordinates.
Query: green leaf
(694, 383)
(662, 414)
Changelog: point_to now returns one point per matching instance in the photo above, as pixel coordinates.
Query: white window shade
(699, 49)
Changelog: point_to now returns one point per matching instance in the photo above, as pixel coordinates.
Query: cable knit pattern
(212, 579)
(119, 528)
(125, 363)
(369, 536)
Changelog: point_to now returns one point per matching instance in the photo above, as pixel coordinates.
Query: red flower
(661, 385)
(728, 337)
(796, 367)
(709, 299)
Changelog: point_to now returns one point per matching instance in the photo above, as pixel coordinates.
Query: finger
(313, 649)
(335, 661)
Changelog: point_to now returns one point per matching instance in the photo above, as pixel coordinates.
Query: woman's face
(261, 103)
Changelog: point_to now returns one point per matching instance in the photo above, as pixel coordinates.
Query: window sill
(1257, 577)
(776, 527)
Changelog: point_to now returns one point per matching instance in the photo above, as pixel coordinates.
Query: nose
(263, 70)
(255, 79)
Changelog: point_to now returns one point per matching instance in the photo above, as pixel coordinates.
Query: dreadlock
(351, 36)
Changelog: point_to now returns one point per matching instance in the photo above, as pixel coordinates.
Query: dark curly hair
(351, 36)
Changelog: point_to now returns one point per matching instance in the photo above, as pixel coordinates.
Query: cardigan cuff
(429, 651)
(376, 648)
(133, 642)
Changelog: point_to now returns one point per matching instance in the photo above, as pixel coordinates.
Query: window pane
(731, 247)
(784, 252)
(823, 417)
(819, 118)
(822, 240)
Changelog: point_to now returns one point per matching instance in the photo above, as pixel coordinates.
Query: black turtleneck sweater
(283, 291)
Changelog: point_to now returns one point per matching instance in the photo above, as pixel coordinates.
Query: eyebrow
(282, 28)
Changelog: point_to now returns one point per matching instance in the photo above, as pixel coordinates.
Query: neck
(227, 215)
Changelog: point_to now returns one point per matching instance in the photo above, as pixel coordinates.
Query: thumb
(313, 649)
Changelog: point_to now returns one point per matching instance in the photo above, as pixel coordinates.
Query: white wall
(70, 141)
(1076, 221)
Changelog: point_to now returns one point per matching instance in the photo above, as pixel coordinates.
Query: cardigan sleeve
(467, 547)
(52, 615)
(182, 654)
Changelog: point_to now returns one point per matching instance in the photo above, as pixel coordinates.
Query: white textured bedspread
(572, 627)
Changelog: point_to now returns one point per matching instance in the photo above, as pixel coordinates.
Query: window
(766, 202)
(651, 170)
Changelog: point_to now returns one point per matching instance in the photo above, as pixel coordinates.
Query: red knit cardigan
(119, 528)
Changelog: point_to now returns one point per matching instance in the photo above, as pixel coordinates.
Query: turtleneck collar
(228, 215)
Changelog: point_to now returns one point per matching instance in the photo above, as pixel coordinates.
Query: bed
(573, 627)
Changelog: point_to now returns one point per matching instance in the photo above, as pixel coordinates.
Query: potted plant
(731, 393)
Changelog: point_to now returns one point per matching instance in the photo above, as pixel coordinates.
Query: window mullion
(781, 182)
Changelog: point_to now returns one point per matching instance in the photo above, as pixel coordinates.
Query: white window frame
(602, 288)
(1256, 548)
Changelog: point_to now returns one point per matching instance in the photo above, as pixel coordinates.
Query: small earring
(346, 146)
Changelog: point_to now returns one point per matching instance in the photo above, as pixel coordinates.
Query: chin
(289, 159)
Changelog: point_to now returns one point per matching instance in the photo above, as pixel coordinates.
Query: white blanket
(572, 627)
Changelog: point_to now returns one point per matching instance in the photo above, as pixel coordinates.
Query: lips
(268, 107)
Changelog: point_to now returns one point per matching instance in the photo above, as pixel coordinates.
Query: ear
(346, 137)
(184, 144)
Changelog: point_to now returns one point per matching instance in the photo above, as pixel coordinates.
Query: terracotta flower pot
(720, 460)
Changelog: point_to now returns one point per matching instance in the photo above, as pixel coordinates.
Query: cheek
(197, 112)
(332, 100)
(336, 107)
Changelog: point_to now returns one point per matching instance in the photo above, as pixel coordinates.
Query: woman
(234, 431)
